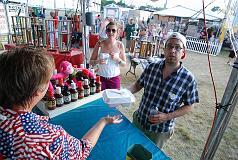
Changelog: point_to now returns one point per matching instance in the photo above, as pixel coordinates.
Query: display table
(78, 117)
(75, 57)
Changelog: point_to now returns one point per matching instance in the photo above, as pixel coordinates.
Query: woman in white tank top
(109, 54)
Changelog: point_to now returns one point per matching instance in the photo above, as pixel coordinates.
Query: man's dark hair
(22, 73)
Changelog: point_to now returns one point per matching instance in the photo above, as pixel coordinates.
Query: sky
(193, 4)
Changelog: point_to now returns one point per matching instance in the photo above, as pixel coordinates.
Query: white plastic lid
(54, 71)
(92, 70)
(58, 90)
(85, 81)
(81, 65)
(115, 97)
(73, 85)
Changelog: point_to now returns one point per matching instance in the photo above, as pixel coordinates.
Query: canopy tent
(181, 11)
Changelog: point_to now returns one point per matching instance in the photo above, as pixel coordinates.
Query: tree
(150, 8)
(122, 4)
(106, 2)
(216, 8)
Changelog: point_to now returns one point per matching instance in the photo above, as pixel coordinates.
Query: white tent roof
(180, 11)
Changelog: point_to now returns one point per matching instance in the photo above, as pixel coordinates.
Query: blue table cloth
(115, 140)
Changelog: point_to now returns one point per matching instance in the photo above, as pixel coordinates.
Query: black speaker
(90, 21)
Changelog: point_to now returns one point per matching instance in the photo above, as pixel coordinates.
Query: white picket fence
(200, 46)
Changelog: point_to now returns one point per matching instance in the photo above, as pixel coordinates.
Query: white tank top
(111, 68)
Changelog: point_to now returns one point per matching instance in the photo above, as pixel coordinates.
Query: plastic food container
(115, 97)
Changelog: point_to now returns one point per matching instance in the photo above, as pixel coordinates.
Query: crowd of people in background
(145, 30)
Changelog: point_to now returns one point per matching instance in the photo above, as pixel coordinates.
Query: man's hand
(158, 118)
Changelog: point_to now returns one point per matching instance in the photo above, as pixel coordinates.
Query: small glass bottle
(98, 84)
(67, 95)
(73, 92)
(86, 88)
(59, 97)
(80, 89)
(92, 86)
(51, 101)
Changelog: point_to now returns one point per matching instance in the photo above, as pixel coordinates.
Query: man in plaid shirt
(170, 90)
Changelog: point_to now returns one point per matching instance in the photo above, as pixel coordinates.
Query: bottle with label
(98, 84)
(51, 101)
(92, 86)
(73, 92)
(66, 95)
(86, 88)
(80, 89)
(59, 97)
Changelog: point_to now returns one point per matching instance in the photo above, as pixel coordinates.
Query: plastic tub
(115, 97)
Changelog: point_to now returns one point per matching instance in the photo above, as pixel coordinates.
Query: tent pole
(223, 114)
(7, 20)
(85, 34)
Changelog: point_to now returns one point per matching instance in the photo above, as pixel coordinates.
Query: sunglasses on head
(111, 30)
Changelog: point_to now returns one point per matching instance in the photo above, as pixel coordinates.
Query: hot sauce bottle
(80, 89)
(92, 86)
(86, 88)
(51, 101)
(59, 97)
(73, 92)
(66, 95)
(98, 84)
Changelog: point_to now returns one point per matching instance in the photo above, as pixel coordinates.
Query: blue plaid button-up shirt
(165, 94)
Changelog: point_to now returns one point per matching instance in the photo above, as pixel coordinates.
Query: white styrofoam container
(115, 97)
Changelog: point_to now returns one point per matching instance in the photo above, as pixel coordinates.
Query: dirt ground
(192, 130)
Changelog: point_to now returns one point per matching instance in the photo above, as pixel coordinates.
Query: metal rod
(7, 20)
(220, 122)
